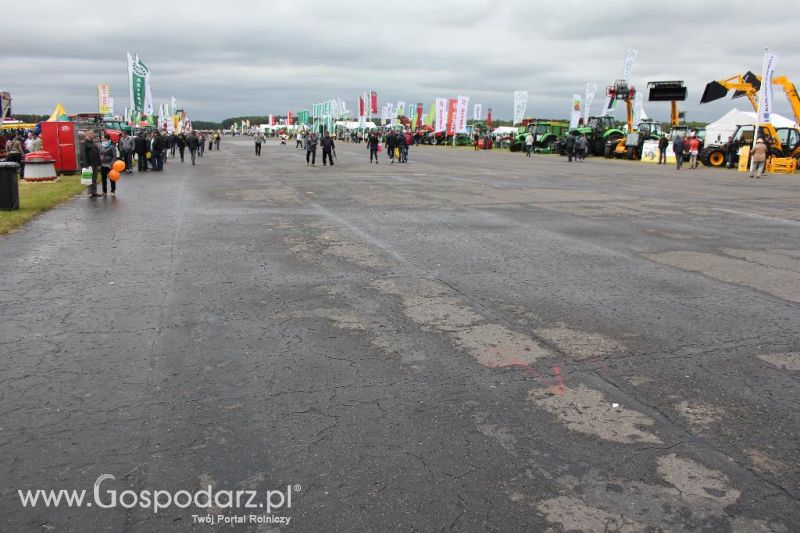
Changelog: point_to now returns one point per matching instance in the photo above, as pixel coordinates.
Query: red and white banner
(489, 118)
(441, 114)
(451, 116)
(462, 106)
(271, 119)
(419, 115)
(373, 102)
(362, 106)
(289, 118)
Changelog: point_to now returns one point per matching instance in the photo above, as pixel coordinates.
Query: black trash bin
(9, 186)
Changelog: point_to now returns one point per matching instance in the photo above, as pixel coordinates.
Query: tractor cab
(787, 143)
(600, 124)
(650, 129)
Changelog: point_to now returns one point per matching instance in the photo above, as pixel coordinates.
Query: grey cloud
(224, 59)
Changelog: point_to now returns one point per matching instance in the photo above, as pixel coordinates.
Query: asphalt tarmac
(473, 341)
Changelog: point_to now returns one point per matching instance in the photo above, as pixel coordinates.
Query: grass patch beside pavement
(37, 197)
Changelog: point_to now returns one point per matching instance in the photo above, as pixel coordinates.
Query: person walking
(108, 154)
(258, 138)
(581, 147)
(372, 143)
(759, 159)
(90, 157)
(181, 141)
(299, 138)
(569, 146)
(402, 148)
(158, 151)
(126, 146)
(311, 149)
(201, 144)
(217, 138)
(327, 148)
(210, 141)
(730, 152)
(663, 143)
(192, 142)
(528, 144)
(693, 146)
(172, 143)
(140, 147)
(677, 147)
(391, 145)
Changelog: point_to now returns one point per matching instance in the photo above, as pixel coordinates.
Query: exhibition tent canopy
(718, 132)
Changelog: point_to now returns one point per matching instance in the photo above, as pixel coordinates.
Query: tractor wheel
(552, 144)
(630, 153)
(712, 157)
(608, 151)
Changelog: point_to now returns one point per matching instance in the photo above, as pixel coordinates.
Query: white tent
(504, 130)
(718, 132)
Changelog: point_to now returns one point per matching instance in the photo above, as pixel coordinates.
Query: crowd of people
(151, 150)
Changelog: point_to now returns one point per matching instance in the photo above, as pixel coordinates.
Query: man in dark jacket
(90, 157)
(677, 147)
(373, 144)
(311, 149)
(663, 143)
(159, 147)
(181, 140)
(569, 145)
(402, 144)
(327, 147)
(193, 143)
(730, 152)
(391, 144)
(140, 147)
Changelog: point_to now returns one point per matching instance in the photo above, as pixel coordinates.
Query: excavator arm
(791, 95)
(719, 89)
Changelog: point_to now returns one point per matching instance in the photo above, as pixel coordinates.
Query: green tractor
(546, 134)
(601, 131)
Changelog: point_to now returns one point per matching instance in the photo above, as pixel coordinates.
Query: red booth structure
(61, 140)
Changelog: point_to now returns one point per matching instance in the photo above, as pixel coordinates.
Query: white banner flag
(520, 104)
(575, 115)
(385, 112)
(591, 89)
(462, 107)
(477, 111)
(638, 102)
(390, 109)
(627, 70)
(441, 114)
(765, 94)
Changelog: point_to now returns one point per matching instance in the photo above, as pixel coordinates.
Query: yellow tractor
(783, 142)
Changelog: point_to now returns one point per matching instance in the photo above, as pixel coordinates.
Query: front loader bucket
(753, 80)
(664, 92)
(714, 91)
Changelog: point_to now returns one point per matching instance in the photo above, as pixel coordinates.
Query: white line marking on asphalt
(756, 215)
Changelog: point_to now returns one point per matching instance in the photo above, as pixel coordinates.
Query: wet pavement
(469, 342)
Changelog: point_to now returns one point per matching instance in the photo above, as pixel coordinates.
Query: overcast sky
(225, 58)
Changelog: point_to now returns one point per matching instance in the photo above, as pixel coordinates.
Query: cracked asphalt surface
(470, 342)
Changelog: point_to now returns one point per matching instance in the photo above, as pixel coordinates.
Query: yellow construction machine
(783, 142)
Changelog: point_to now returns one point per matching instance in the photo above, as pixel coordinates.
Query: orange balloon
(113, 175)
(119, 166)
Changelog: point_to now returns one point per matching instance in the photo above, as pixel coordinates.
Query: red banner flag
(419, 115)
(373, 100)
(489, 119)
(451, 115)
(289, 119)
